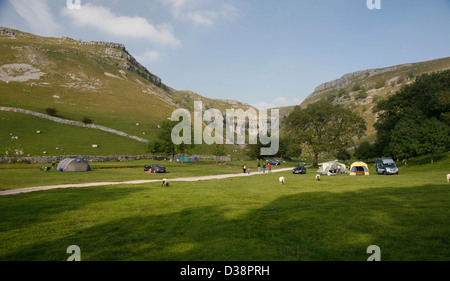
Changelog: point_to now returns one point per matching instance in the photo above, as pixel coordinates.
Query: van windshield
(390, 165)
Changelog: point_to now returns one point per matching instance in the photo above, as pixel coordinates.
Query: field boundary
(73, 123)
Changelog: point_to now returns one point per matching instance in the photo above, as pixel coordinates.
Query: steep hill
(99, 81)
(361, 90)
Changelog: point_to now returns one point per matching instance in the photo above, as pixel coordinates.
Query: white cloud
(148, 56)
(103, 19)
(277, 102)
(37, 16)
(201, 12)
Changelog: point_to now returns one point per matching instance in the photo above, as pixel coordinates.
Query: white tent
(331, 167)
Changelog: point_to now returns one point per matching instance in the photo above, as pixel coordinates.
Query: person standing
(244, 168)
(259, 167)
(264, 168)
(270, 168)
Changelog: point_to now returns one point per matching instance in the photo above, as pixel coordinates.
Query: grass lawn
(21, 175)
(245, 218)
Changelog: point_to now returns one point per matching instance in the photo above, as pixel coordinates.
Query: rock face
(349, 78)
(113, 50)
(118, 51)
(19, 72)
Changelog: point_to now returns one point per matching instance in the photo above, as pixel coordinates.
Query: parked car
(300, 169)
(157, 168)
(386, 166)
(276, 162)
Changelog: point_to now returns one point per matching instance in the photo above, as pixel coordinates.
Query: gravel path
(40, 188)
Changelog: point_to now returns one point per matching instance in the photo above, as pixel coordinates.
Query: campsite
(229, 131)
(239, 218)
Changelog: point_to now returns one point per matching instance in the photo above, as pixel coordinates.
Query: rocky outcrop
(7, 32)
(118, 51)
(350, 78)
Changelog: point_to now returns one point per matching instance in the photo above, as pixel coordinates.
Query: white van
(386, 166)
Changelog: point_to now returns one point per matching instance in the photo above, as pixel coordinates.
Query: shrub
(87, 120)
(355, 88)
(380, 84)
(362, 95)
(51, 111)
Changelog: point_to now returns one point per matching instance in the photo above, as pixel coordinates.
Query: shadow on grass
(406, 223)
(25, 210)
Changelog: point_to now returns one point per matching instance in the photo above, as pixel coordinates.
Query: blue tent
(183, 159)
(195, 159)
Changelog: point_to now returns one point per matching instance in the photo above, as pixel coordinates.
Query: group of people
(247, 170)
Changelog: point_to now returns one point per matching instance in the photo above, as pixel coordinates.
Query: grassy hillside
(362, 90)
(94, 80)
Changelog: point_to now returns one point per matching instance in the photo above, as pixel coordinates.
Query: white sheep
(281, 180)
(318, 177)
(165, 182)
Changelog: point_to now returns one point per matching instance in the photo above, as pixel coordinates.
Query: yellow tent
(359, 169)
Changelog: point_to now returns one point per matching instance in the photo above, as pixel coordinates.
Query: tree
(404, 139)
(324, 127)
(51, 111)
(343, 155)
(365, 151)
(165, 140)
(155, 147)
(434, 137)
(427, 97)
(87, 120)
(287, 149)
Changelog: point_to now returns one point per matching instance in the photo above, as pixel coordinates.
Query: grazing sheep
(448, 177)
(165, 182)
(318, 177)
(281, 180)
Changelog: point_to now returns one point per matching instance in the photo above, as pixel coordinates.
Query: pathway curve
(211, 177)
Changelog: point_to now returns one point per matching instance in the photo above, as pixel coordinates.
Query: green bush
(355, 88)
(87, 120)
(362, 95)
(51, 111)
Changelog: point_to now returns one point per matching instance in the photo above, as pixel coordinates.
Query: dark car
(276, 162)
(157, 168)
(300, 169)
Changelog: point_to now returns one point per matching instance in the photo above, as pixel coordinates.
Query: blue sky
(263, 52)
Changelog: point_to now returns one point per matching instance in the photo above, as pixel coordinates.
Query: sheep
(165, 182)
(318, 177)
(448, 177)
(281, 180)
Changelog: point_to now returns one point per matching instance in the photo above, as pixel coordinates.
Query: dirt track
(40, 188)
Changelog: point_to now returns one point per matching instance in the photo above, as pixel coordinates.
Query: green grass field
(245, 218)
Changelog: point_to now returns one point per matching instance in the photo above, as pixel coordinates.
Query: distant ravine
(73, 123)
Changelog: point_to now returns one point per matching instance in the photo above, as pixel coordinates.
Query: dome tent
(183, 159)
(73, 165)
(359, 169)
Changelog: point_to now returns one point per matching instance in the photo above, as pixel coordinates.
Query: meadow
(245, 218)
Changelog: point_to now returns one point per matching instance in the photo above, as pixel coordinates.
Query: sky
(267, 53)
